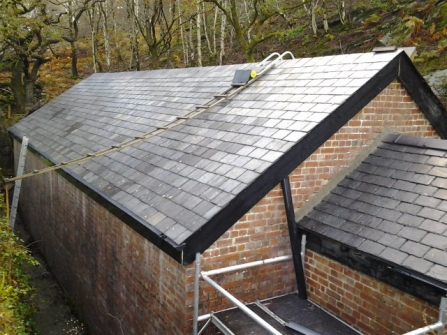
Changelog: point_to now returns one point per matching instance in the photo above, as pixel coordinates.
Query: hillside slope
(422, 24)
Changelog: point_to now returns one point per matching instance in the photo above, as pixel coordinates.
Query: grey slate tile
(408, 208)
(438, 172)
(371, 247)
(388, 214)
(414, 248)
(412, 234)
(439, 272)
(441, 194)
(434, 226)
(436, 256)
(405, 196)
(426, 201)
(410, 220)
(437, 161)
(370, 233)
(392, 241)
(395, 256)
(431, 213)
(435, 241)
(418, 264)
(390, 227)
(425, 190)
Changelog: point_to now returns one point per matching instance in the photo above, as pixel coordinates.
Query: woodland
(47, 46)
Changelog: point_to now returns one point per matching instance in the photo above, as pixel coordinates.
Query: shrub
(15, 306)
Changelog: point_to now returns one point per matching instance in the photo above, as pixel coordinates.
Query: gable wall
(118, 281)
(262, 233)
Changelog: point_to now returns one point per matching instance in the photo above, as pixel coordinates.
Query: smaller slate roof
(392, 206)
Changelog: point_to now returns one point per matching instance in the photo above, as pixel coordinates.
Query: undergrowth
(15, 291)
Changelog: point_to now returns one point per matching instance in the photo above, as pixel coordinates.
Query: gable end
(422, 94)
(199, 241)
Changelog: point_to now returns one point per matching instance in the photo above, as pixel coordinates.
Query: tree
(312, 13)
(26, 35)
(75, 9)
(94, 19)
(250, 20)
(156, 21)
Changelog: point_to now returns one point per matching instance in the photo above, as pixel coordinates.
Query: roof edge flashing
(155, 236)
(417, 142)
(428, 289)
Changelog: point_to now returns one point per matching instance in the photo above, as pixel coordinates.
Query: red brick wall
(363, 302)
(117, 279)
(262, 233)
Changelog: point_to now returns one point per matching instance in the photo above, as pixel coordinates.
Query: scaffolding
(205, 275)
(439, 326)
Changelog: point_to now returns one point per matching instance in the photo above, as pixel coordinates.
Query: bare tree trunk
(74, 60)
(205, 30)
(341, 11)
(223, 24)
(199, 35)
(191, 44)
(132, 10)
(325, 22)
(105, 27)
(17, 88)
(117, 48)
(95, 18)
(313, 13)
(216, 11)
(182, 36)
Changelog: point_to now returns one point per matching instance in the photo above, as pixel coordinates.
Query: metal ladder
(266, 65)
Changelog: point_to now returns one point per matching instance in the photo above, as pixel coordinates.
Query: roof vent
(242, 77)
(384, 49)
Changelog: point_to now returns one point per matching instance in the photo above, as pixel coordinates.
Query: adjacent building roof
(184, 186)
(393, 206)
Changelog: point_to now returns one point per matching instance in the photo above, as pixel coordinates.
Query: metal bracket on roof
(242, 77)
(265, 65)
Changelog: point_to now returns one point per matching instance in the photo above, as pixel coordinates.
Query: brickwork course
(121, 230)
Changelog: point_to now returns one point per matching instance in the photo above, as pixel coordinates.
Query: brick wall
(363, 302)
(118, 280)
(262, 233)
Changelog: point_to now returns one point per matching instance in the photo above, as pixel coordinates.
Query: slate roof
(185, 186)
(392, 206)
